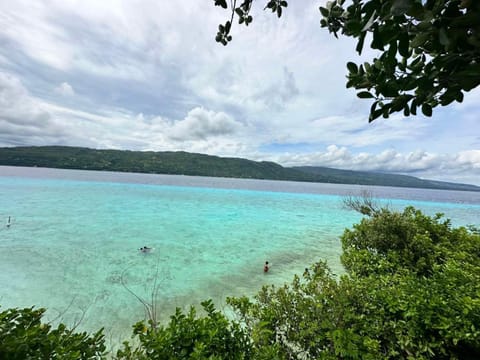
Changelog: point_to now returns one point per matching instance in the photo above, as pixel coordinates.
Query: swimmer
(266, 267)
(145, 249)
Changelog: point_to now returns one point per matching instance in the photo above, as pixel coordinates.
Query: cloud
(152, 77)
(65, 89)
(453, 167)
(345, 130)
(202, 124)
(22, 118)
(276, 96)
(27, 120)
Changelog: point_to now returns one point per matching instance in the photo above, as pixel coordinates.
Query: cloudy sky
(148, 75)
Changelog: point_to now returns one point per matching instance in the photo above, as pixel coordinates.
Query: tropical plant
(429, 49)
(188, 336)
(24, 336)
(411, 291)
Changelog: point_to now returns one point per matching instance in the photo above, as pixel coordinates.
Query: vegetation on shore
(411, 291)
(184, 163)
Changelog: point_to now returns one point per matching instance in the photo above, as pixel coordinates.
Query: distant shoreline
(184, 163)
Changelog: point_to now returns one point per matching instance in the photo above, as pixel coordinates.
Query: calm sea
(73, 242)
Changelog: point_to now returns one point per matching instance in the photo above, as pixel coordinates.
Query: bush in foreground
(411, 291)
(24, 336)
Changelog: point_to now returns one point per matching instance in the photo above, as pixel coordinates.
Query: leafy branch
(243, 13)
(429, 50)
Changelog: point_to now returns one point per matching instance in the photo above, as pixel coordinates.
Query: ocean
(73, 242)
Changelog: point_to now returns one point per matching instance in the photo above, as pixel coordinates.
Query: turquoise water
(72, 246)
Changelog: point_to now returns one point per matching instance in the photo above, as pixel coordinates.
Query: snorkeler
(145, 249)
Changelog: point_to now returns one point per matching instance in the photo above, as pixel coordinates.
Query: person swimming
(266, 267)
(145, 249)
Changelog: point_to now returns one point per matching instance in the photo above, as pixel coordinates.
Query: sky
(148, 75)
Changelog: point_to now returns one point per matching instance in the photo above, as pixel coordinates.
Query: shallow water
(72, 246)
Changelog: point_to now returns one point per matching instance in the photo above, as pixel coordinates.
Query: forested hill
(185, 163)
(338, 176)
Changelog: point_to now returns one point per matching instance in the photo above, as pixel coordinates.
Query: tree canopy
(429, 50)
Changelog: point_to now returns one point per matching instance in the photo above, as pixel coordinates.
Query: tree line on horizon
(184, 163)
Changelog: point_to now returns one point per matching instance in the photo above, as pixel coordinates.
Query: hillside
(185, 163)
(325, 174)
(168, 162)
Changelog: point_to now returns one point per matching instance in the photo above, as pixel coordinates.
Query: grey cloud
(27, 120)
(65, 89)
(464, 164)
(202, 124)
(20, 113)
(279, 93)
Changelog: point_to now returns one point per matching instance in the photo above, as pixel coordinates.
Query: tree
(411, 291)
(188, 336)
(364, 203)
(429, 49)
(24, 336)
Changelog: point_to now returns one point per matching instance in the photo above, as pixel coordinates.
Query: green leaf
(369, 22)
(413, 107)
(427, 110)
(377, 42)
(222, 3)
(403, 45)
(360, 43)
(352, 67)
(365, 95)
(443, 37)
(324, 12)
(420, 39)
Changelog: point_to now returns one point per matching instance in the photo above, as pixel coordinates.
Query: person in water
(145, 249)
(266, 267)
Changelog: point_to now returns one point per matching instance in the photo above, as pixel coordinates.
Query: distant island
(184, 163)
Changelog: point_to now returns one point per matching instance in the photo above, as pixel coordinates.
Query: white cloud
(202, 124)
(461, 165)
(27, 120)
(22, 118)
(65, 89)
(151, 76)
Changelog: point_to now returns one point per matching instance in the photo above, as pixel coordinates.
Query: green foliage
(412, 291)
(430, 49)
(24, 336)
(243, 13)
(390, 242)
(190, 337)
